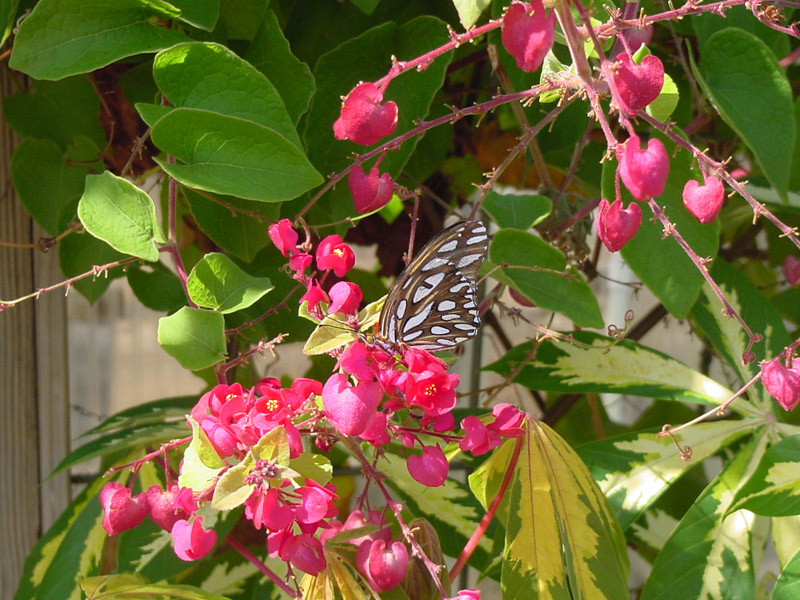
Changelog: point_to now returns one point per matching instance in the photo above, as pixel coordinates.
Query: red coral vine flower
(791, 270)
(299, 263)
(350, 408)
(284, 237)
(782, 382)
(382, 563)
(704, 201)
(191, 541)
(477, 437)
(314, 295)
(507, 420)
(638, 85)
(434, 391)
(334, 254)
(164, 506)
(431, 468)
(528, 33)
(345, 298)
(121, 511)
(616, 226)
(644, 171)
(370, 192)
(363, 119)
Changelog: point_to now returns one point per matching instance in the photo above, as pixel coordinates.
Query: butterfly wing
(433, 305)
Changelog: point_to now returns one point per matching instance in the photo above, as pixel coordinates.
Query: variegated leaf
(773, 490)
(786, 537)
(788, 585)
(726, 334)
(595, 363)
(334, 332)
(116, 587)
(709, 556)
(562, 540)
(634, 469)
(201, 463)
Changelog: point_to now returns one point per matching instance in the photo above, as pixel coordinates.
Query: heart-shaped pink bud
(791, 270)
(350, 408)
(383, 563)
(370, 192)
(638, 85)
(616, 226)
(782, 383)
(364, 120)
(431, 468)
(121, 511)
(164, 507)
(644, 171)
(704, 201)
(528, 33)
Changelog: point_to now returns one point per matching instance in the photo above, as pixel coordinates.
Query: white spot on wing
(418, 318)
(468, 260)
(448, 247)
(436, 330)
(446, 305)
(478, 239)
(412, 336)
(434, 280)
(401, 308)
(446, 342)
(432, 264)
(421, 293)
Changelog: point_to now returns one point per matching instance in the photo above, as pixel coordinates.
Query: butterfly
(433, 304)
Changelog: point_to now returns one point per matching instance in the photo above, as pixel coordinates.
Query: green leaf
(662, 107)
(334, 332)
(50, 180)
(66, 37)
(562, 540)
(661, 264)
(217, 283)
(69, 550)
(116, 211)
(773, 489)
(755, 99)
(726, 335)
(194, 337)
(57, 110)
(203, 14)
(210, 77)
(469, 11)
(240, 233)
(123, 441)
(564, 291)
(8, 11)
(201, 463)
(635, 469)
(705, 25)
(366, 58)
(227, 155)
(517, 211)
(787, 587)
(80, 253)
(114, 587)
(313, 466)
(269, 52)
(597, 364)
(156, 287)
(147, 413)
(151, 113)
(709, 554)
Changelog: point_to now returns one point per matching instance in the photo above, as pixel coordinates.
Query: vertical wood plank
(19, 446)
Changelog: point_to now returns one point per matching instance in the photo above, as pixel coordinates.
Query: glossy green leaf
(65, 37)
(156, 287)
(710, 555)
(69, 550)
(116, 211)
(203, 14)
(597, 364)
(636, 468)
(81, 253)
(57, 110)
(726, 334)
(755, 99)
(148, 413)
(517, 211)
(240, 233)
(49, 180)
(124, 440)
(313, 466)
(562, 540)
(151, 113)
(216, 282)
(201, 463)
(194, 337)
(469, 11)
(663, 106)
(661, 264)
(211, 77)
(773, 490)
(227, 155)
(787, 587)
(269, 52)
(563, 291)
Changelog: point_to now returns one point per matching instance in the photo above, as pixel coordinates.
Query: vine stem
(476, 536)
(395, 507)
(702, 266)
(147, 457)
(255, 561)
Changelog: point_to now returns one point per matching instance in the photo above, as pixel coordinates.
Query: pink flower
(314, 295)
(616, 226)
(781, 382)
(791, 270)
(376, 433)
(121, 511)
(307, 555)
(704, 201)
(431, 468)
(300, 262)
(370, 192)
(528, 33)
(284, 237)
(363, 119)
(345, 298)
(265, 508)
(507, 420)
(477, 437)
(332, 253)
(191, 541)
(382, 563)
(644, 172)
(316, 503)
(434, 391)
(638, 85)
(355, 361)
(305, 388)
(350, 408)
(469, 594)
(164, 507)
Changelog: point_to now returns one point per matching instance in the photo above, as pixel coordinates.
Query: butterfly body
(433, 303)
